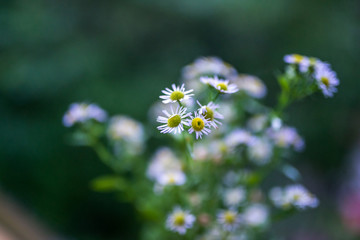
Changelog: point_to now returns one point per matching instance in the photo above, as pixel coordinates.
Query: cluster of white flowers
(324, 76)
(82, 112)
(293, 196)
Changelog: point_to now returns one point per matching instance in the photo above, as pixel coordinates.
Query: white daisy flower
(208, 66)
(173, 122)
(199, 125)
(123, 127)
(256, 215)
(177, 178)
(294, 195)
(210, 113)
(260, 151)
(223, 86)
(230, 220)
(176, 94)
(164, 160)
(295, 59)
(251, 85)
(326, 81)
(234, 196)
(179, 221)
(82, 112)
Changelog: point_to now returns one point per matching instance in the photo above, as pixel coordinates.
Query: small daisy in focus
(230, 220)
(82, 112)
(173, 122)
(199, 125)
(327, 81)
(251, 85)
(234, 196)
(172, 178)
(179, 221)
(223, 86)
(176, 94)
(210, 113)
(256, 215)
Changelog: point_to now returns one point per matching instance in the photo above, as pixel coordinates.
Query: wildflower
(82, 112)
(223, 86)
(172, 178)
(209, 112)
(230, 220)
(199, 125)
(295, 59)
(257, 123)
(123, 127)
(326, 80)
(293, 195)
(286, 137)
(173, 122)
(251, 85)
(180, 220)
(256, 215)
(164, 160)
(177, 94)
(234, 196)
(208, 66)
(237, 137)
(260, 151)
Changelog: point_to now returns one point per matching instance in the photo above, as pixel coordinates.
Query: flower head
(223, 86)
(256, 215)
(234, 196)
(179, 221)
(295, 59)
(199, 125)
(172, 178)
(163, 161)
(251, 85)
(260, 151)
(210, 113)
(286, 137)
(82, 112)
(230, 220)
(173, 122)
(176, 94)
(123, 127)
(326, 80)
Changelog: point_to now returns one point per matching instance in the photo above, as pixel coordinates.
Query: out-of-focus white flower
(176, 94)
(172, 178)
(210, 113)
(294, 195)
(251, 85)
(237, 137)
(164, 160)
(201, 151)
(326, 80)
(286, 137)
(295, 59)
(82, 112)
(230, 220)
(223, 86)
(234, 196)
(174, 121)
(256, 215)
(257, 123)
(180, 220)
(260, 151)
(228, 111)
(125, 128)
(199, 125)
(208, 66)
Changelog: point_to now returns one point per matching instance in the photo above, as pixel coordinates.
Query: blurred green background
(120, 54)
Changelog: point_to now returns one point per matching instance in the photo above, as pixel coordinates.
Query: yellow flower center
(312, 61)
(222, 86)
(209, 114)
(198, 124)
(298, 58)
(296, 197)
(179, 219)
(176, 95)
(174, 121)
(229, 217)
(325, 81)
(171, 179)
